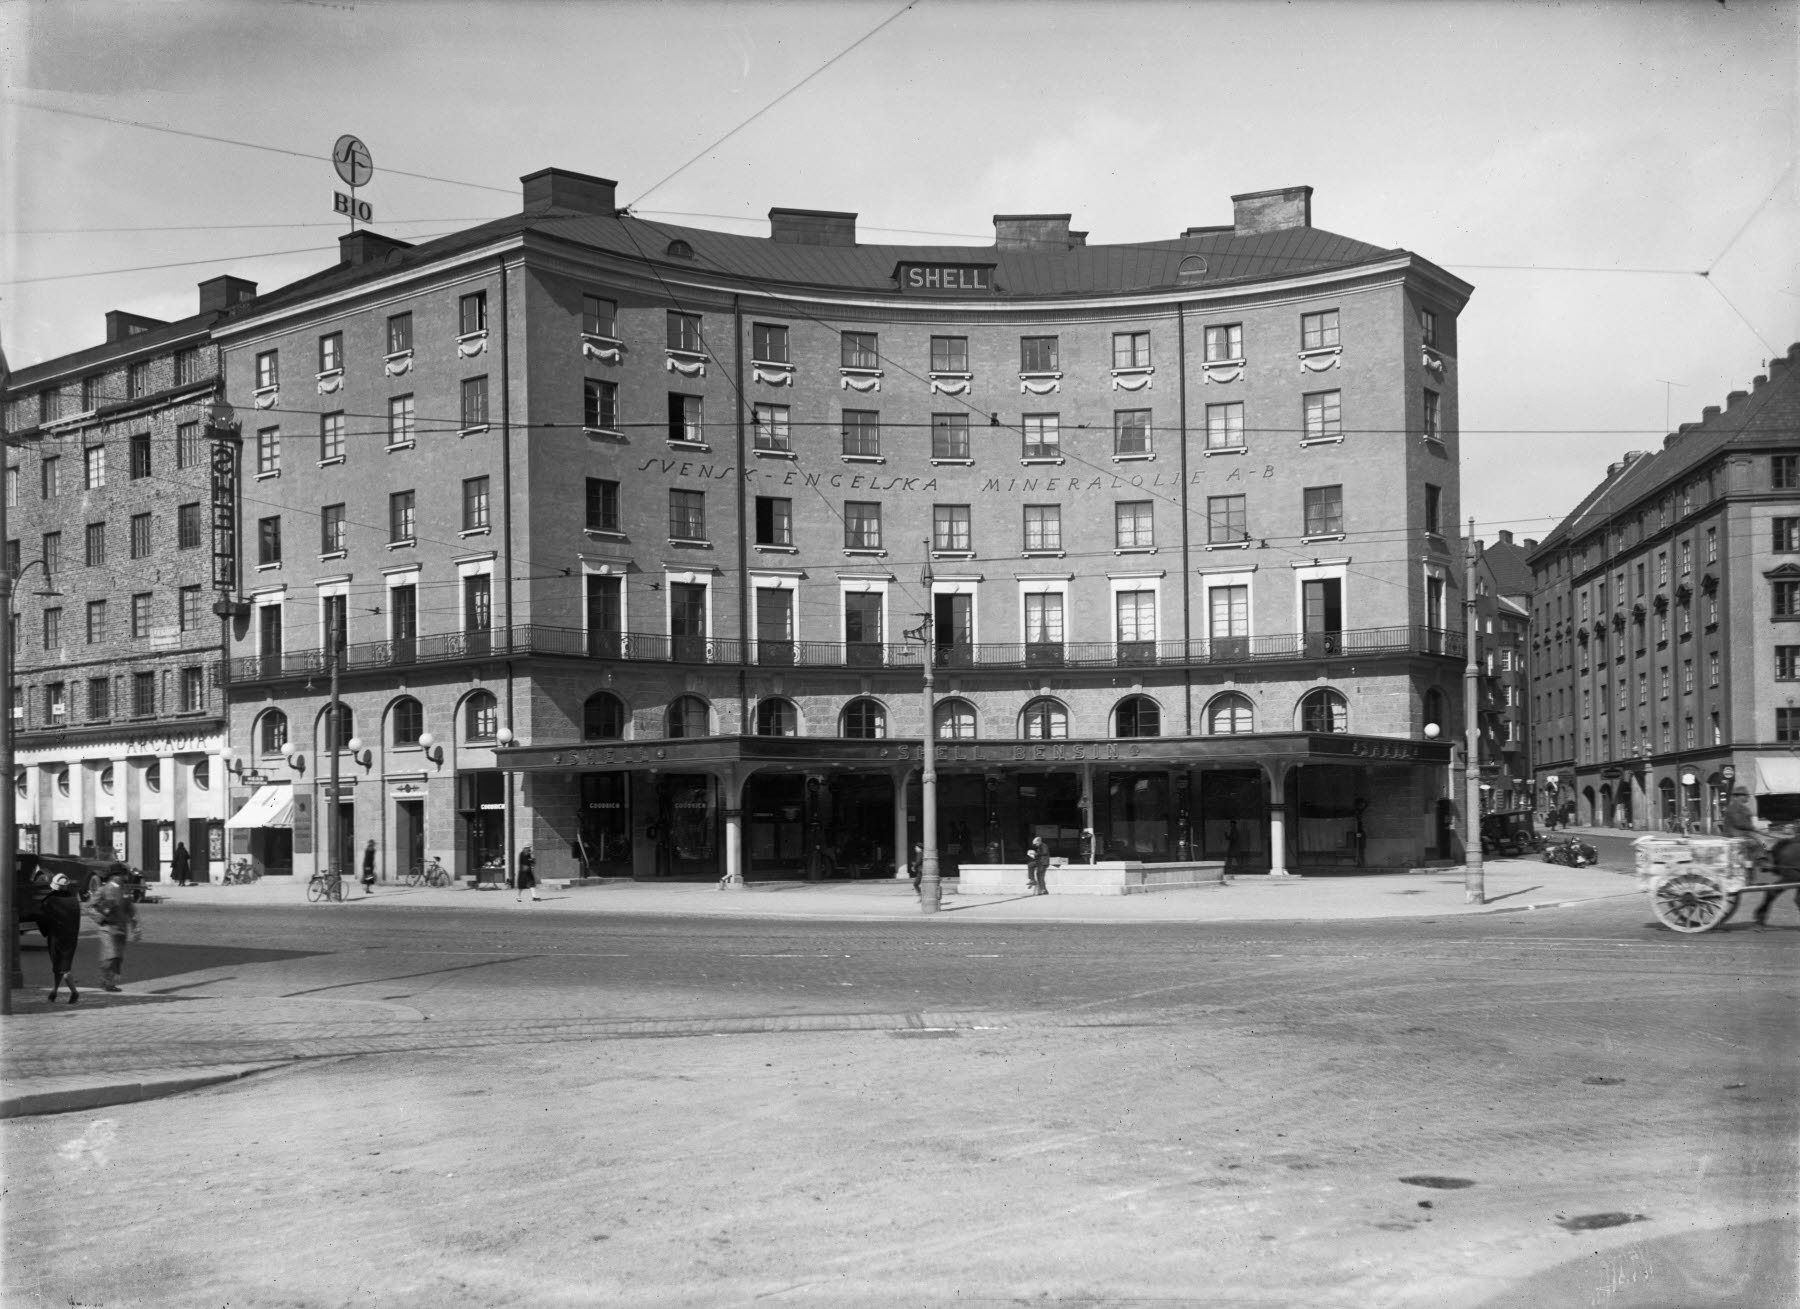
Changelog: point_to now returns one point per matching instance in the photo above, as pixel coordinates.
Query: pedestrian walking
(368, 873)
(181, 867)
(915, 868)
(117, 915)
(527, 878)
(59, 919)
(1037, 864)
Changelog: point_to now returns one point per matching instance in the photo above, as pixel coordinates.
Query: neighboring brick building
(1503, 603)
(630, 521)
(116, 705)
(1662, 608)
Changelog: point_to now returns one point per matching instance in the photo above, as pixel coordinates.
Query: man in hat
(113, 910)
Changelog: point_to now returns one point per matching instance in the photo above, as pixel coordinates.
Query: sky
(1617, 180)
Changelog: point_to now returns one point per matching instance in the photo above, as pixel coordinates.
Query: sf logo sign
(356, 166)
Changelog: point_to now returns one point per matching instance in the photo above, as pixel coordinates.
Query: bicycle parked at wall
(429, 873)
(241, 873)
(325, 886)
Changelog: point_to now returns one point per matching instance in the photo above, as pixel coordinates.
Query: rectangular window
(471, 313)
(1662, 568)
(401, 421)
(193, 690)
(92, 392)
(1324, 416)
(96, 545)
(55, 702)
(1712, 669)
(862, 525)
(475, 504)
(1687, 676)
(399, 334)
(1043, 527)
(1319, 331)
(1044, 618)
(268, 540)
(331, 352)
(96, 621)
(950, 527)
(140, 615)
(99, 699)
(332, 529)
(49, 406)
(143, 694)
(193, 608)
(1043, 436)
(950, 436)
(769, 426)
(602, 505)
(187, 366)
(860, 350)
(685, 420)
(140, 535)
(1037, 354)
(1787, 725)
(268, 370)
(1135, 615)
(769, 343)
(1226, 519)
(331, 436)
(474, 402)
(687, 515)
(1432, 433)
(1133, 525)
(187, 526)
(52, 554)
(1434, 509)
(1131, 350)
(684, 332)
(268, 450)
(1687, 556)
(1225, 426)
(949, 354)
(190, 448)
(862, 626)
(599, 317)
(402, 517)
(600, 405)
(1225, 344)
(52, 629)
(1427, 327)
(1787, 663)
(478, 603)
(1786, 535)
(1784, 472)
(137, 380)
(1324, 508)
(93, 464)
(1786, 595)
(862, 431)
(774, 520)
(1131, 431)
(51, 476)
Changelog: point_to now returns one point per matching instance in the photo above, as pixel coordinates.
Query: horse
(1781, 864)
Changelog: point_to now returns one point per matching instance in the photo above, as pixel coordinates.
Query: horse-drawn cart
(1695, 881)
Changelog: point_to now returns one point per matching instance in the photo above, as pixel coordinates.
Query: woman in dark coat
(180, 867)
(527, 875)
(59, 919)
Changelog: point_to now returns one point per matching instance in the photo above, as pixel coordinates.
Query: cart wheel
(1691, 902)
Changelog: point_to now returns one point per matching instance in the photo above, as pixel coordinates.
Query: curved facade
(1174, 521)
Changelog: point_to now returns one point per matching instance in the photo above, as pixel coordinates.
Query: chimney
(1271, 211)
(1762, 380)
(365, 247)
(812, 227)
(1731, 400)
(1505, 535)
(120, 324)
(1077, 240)
(1709, 413)
(558, 188)
(1530, 544)
(220, 293)
(1034, 232)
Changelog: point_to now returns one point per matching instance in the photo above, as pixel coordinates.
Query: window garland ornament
(771, 374)
(1039, 384)
(471, 345)
(604, 348)
(685, 364)
(851, 380)
(397, 364)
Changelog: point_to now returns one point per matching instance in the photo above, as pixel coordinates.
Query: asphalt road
(1571, 1107)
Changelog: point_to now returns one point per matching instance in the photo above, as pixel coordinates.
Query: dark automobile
(88, 874)
(1509, 832)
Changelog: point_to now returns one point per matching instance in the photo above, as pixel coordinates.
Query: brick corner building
(615, 533)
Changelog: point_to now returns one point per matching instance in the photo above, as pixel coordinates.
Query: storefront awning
(1777, 774)
(271, 806)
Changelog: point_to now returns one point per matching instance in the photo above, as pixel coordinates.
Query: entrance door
(605, 834)
(1322, 604)
(605, 615)
(774, 626)
(953, 629)
(862, 628)
(268, 638)
(409, 834)
(688, 826)
(1234, 819)
(775, 807)
(346, 856)
(478, 613)
(403, 601)
(149, 849)
(687, 621)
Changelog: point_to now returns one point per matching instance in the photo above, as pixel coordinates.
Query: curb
(71, 1099)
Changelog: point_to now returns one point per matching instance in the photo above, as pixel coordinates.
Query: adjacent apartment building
(1666, 620)
(117, 707)
(1503, 585)
(628, 541)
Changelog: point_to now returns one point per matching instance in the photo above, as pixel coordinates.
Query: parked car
(88, 874)
(1508, 832)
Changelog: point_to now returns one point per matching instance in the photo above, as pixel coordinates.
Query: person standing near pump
(1037, 864)
(368, 868)
(527, 876)
(113, 910)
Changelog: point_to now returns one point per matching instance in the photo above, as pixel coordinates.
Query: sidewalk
(1510, 884)
(54, 1069)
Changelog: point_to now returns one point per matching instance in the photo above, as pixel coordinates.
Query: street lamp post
(930, 885)
(1474, 887)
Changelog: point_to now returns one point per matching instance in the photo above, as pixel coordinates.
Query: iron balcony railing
(651, 647)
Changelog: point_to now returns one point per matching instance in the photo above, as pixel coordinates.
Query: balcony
(650, 647)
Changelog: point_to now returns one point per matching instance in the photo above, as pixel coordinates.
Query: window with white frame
(1131, 432)
(1133, 525)
(1225, 343)
(1043, 527)
(770, 427)
(1042, 436)
(1225, 426)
